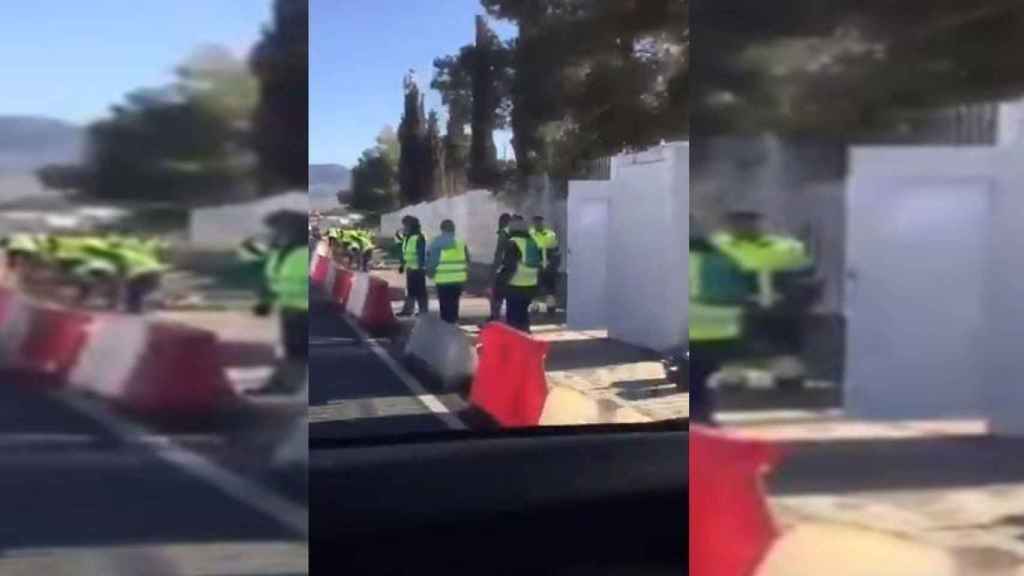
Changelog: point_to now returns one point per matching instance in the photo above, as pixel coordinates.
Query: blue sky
(359, 51)
(72, 59)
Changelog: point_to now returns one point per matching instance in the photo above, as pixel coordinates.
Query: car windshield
(500, 192)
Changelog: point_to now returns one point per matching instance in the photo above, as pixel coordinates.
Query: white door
(586, 259)
(916, 267)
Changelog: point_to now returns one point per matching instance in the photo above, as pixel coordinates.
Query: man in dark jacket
(497, 290)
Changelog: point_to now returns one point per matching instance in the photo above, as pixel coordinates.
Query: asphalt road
(354, 394)
(75, 476)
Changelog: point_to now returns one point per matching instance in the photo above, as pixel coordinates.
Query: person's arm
(468, 261)
(421, 251)
(509, 263)
(433, 257)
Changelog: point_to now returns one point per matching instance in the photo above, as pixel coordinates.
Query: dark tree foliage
(161, 147)
(281, 62)
(849, 67)
(488, 72)
(593, 78)
(414, 171)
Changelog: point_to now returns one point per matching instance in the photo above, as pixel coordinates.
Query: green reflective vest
(764, 257)
(547, 240)
(23, 243)
(138, 262)
(529, 260)
(715, 306)
(410, 252)
(452, 267)
(287, 275)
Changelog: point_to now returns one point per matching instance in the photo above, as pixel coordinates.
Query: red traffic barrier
(370, 304)
(731, 528)
(510, 384)
(179, 373)
(321, 263)
(55, 338)
(342, 286)
(153, 368)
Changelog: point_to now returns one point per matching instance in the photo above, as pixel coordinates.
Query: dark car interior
(562, 500)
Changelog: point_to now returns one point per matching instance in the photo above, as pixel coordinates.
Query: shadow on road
(894, 464)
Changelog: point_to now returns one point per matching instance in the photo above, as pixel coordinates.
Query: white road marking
(429, 400)
(289, 514)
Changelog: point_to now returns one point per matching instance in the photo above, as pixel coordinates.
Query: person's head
(516, 227)
(288, 228)
(745, 223)
(407, 223)
(504, 219)
(448, 227)
(538, 222)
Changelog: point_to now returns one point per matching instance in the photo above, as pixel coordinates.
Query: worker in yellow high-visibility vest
(551, 259)
(448, 266)
(414, 260)
(519, 274)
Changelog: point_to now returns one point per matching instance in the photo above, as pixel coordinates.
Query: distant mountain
(325, 180)
(29, 142)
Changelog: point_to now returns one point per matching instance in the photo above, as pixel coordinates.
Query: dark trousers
(136, 289)
(706, 358)
(517, 307)
(497, 299)
(295, 334)
(416, 290)
(448, 296)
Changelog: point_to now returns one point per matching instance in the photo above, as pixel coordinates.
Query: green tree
(593, 78)
(486, 70)
(436, 157)
(375, 176)
(852, 70)
(182, 143)
(281, 62)
(453, 80)
(412, 131)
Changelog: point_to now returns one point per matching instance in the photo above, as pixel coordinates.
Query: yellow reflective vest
(452, 267)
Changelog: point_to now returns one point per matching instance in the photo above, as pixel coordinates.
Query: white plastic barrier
(15, 325)
(358, 294)
(444, 349)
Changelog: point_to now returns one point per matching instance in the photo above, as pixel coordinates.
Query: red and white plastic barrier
(510, 384)
(369, 302)
(322, 263)
(342, 286)
(731, 529)
(151, 368)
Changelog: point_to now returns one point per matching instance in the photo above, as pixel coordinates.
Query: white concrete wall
(647, 288)
(1003, 397)
(474, 213)
(226, 226)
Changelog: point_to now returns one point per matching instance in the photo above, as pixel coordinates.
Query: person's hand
(261, 309)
